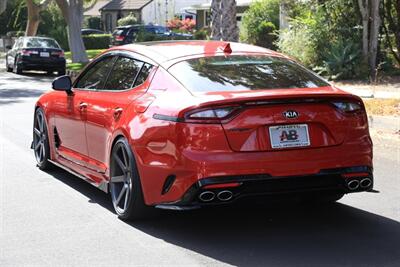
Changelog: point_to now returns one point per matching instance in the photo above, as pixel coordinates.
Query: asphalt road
(55, 219)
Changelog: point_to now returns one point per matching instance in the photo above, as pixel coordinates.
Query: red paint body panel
(193, 151)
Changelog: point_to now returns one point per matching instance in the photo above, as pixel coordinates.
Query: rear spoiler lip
(268, 100)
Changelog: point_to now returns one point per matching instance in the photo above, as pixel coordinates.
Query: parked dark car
(127, 34)
(36, 53)
(91, 31)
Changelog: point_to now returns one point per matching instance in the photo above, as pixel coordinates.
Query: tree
(72, 11)
(391, 26)
(34, 10)
(216, 20)
(371, 21)
(223, 20)
(3, 5)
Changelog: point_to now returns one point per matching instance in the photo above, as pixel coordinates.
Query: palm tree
(230, 31)
(216, 20)
(223, 20)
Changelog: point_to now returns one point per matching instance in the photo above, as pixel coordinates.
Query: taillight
(26, 52)
(347, 106)
(211, 115)
(58, 53)
(119, 37)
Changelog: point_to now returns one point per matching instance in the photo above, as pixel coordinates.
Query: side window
(123, 74)
(143, 75)
(95, 77)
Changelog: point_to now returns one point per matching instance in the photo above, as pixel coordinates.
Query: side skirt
(103, 186)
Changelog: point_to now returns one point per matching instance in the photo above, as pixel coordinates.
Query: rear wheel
(17, 69)
(61, 72)
(41, 146)
(9, 69)
(49, 72)
(125, 187)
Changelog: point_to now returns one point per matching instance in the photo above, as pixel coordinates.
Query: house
(146, 11)
(203, 12)
(116, 9)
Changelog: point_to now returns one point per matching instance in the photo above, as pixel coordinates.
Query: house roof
(95, 10)
(126, 4)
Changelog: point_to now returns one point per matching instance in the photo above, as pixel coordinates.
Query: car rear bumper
(225, 190)
(42, 65)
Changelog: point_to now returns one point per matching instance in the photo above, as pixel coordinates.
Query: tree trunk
(364, 10)
(283, 16)
(216, 20)
(72, 11)
(230, 31)
(373, 37)
(3, 6)
(33, 18)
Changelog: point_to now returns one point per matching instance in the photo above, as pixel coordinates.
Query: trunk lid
(284, 119)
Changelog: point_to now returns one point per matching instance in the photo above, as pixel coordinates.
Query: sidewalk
(383, 90)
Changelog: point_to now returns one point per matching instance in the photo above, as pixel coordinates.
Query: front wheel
(41, 145)
(125, 187)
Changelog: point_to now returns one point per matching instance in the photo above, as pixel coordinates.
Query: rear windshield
(241, 73)
(41, 43)
(119, 32)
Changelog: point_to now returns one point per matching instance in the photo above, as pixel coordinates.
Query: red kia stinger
(181, 125)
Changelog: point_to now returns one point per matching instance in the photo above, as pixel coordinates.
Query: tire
(61, 72)
(125, 187)
(9, 69)
(49, 72)
(17, 69)
(40, 146)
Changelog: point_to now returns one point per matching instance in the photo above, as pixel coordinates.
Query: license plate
(44, 54)
(284, 136)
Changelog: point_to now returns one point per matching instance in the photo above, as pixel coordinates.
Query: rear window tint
(40, 43)
(241, 73)
(118, 32)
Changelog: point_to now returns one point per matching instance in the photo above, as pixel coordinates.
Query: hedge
(97, 41)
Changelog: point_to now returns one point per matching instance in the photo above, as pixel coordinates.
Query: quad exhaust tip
(365, 183)
(207, 196)
(225, 195)
(353, 184)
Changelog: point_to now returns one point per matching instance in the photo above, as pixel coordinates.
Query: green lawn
(78, 66)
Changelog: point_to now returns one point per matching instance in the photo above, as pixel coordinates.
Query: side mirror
(63, 83)
(8, 47)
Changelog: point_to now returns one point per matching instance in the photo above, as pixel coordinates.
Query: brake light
(211, 115)
(58, 53)
(26, 52)
(119, 37)
(347, 107)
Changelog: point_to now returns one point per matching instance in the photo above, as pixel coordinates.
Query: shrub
(97, 41)
(341, 61)
(202, 34)
(93, 23)
(178, 25)
(128, 20)
(298, 42)
(260, 22)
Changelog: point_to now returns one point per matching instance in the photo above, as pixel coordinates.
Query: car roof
(36, 37)
(167, 53)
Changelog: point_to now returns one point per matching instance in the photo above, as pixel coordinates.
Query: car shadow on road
(277, 235)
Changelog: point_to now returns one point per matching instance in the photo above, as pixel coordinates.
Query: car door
(107, 105)
(71, 112)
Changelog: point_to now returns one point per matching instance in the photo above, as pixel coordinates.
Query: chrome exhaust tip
(353, 184)
(207, 196)
(365, 183)
(225, 195)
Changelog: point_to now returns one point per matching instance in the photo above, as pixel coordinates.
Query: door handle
(83, 105)
(117, 112)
